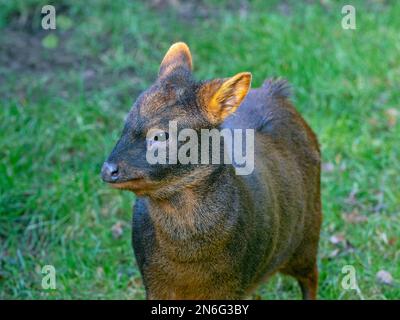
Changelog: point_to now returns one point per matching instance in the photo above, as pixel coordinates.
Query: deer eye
(156, 138)
(161, 136)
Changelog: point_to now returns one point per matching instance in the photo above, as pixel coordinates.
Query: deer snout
(110, 172)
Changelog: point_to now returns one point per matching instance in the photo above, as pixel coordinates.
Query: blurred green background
(64, 94)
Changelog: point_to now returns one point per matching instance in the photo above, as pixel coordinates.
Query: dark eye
(161, 136)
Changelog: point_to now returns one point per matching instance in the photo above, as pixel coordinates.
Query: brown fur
(201, 231)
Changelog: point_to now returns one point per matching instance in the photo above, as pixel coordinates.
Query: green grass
(58, 122)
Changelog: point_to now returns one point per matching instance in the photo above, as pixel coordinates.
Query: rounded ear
(178, 56)
(221, 97)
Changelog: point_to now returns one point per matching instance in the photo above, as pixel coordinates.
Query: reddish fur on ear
(221, 97)
(178, 55)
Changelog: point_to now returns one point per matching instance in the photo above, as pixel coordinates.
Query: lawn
(64, 94)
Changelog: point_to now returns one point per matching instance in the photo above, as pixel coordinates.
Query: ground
(64, 94)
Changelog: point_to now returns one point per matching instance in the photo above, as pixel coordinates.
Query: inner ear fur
(221, 97)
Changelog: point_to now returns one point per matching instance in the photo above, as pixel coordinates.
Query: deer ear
(221, 97)
(177, 56)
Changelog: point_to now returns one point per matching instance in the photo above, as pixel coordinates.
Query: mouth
(137, 185)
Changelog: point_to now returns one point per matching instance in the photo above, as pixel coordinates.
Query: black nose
(109, 172)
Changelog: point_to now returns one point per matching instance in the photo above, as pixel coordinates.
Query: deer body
(207, 233)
